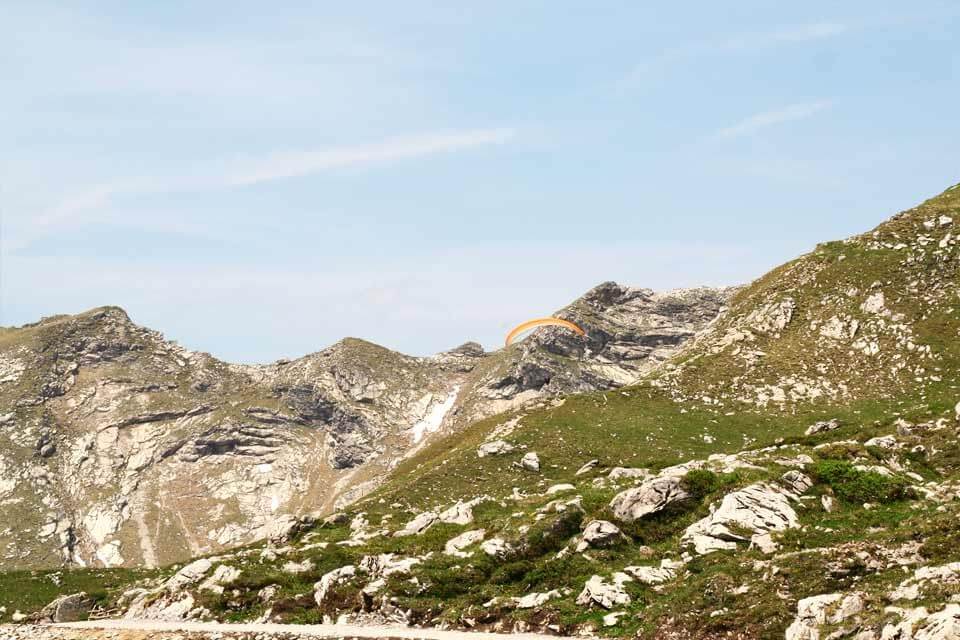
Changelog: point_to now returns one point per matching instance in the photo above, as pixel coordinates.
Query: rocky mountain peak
(106, 419)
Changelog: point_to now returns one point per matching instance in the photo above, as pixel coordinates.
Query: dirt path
(301, 630)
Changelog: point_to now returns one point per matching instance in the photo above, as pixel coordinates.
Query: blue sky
(258, 180)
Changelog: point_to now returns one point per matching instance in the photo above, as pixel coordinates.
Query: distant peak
(472, 349)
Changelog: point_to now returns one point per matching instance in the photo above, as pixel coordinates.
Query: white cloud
(302, 163)
(766, 119)
(742, 43)
(80, 207)
(803, 33)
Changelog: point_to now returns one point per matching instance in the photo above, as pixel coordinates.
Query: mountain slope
(699, 503)
(120, 448)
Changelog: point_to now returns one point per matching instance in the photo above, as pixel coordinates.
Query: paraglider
(539, 322)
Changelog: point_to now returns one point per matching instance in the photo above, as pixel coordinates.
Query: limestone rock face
(650, 497)
(121, 448)
(757, 510)
(604, 593)
(814, 612)
(69, 608)
(600, 533)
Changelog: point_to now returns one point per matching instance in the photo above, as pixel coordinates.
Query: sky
(258, 180)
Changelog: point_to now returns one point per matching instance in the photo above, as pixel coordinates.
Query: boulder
(189, 574)
(816, 611)
(336, 519)
(496, 547)
(822, 427)
(530, 461)
(796, 482)
(626, 473)
(752, 511)
(883, 442)
(330, 580)
(69, 608)
(385, 565)
(598, 591)
(650, 497)
(559, 488)
(298, 567)
(600, 533)
(588, 467)
(494, 448)
(938, 576)
(667, 571)
(533, 600)
(455, 546)
(460, 513)
(283, 528)
(418, 525)
(223, 574)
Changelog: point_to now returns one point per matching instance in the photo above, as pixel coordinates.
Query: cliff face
(118, 447)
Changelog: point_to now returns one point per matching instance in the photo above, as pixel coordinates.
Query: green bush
(701, 482)
(855, 486)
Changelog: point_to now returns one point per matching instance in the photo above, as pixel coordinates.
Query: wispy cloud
(802, 33)
(252, 170)
(766, 119)
(301, 163)
(742, 43)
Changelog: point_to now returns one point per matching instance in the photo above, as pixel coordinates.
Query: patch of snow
(434, 417)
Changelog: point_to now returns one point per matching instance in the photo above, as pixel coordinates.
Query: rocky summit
(120, 448)
(780, 460)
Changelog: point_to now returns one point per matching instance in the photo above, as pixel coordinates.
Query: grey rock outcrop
(650, 497)
(106, 408)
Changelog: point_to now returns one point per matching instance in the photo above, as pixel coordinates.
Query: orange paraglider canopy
(539, 322)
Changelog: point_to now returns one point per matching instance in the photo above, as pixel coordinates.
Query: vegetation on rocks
(793, 471)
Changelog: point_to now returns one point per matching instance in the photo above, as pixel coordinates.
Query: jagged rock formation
(794, 471)
(851, 319)
(118, 447)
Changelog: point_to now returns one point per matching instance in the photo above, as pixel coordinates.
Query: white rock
(559, 488)
(600, 533)
(624, 473)
(418, 525)
(330, 580)
(796, 482)
(822, 426)
(587, 467)
(496, 547)
(613, 619)
(532, 600)
(455, 546)
(459, 513)
(667, 571)
(765, 543)
(530, 461)
(650, 497)
(495, 448)
(875, 303)
(758, 509)
(188, 575)
(606, 594)
(223, 574)
(298, 567)
(912, 588)
(883, 442)
(813, 612)
(385, 565)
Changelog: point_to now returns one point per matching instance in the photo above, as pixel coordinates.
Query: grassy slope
(644, 427)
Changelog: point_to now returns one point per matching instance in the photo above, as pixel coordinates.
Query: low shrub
(858, 486)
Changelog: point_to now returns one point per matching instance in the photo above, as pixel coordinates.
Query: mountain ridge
(100, 409)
